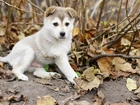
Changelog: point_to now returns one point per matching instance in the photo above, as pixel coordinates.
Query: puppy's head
(59, 21)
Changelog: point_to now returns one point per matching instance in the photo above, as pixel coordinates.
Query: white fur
(44, 47)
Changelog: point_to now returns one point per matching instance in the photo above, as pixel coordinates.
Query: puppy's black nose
(62, 33)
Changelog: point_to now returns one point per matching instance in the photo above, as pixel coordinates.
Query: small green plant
(79, 74)
(46, 67)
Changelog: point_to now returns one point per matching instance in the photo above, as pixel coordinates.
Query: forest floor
(27, 93)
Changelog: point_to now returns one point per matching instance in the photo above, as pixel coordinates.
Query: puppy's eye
(67, 24)
(55, 24)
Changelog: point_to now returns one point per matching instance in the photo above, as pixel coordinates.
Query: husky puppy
(49, 45)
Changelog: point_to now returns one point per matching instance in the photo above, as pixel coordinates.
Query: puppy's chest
(52, 52)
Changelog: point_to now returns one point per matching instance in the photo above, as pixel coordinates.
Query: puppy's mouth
(62, 37)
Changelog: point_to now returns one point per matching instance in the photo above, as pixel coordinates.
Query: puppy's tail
(3, 59)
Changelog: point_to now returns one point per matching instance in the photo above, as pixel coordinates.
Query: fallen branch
(94, 59)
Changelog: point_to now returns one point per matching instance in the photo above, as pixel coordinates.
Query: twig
(103, 2)
(83, 16)
(73, 5)
(8, 20)
(118, 36)
(35, 6)
(118, 17)
(67, 2)
(95, 7)
(57, 2)
(18, 8)
(135, 7)
(134, 34)
(110, 29)
(94, 59)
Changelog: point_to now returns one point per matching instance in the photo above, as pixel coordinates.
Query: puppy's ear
(72, 13)
(49, 11)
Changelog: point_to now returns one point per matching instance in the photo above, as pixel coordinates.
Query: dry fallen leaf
(79, 103)
(90, 73)
(131, 84)
(86, 85)
(8, 100)
(2, 31)
(121, 103)
(46, 100)
(137, 91)
(105, 66)
(96, 103)
(117, 74)
(1, 64)
(75, 32)
(101, 95)
(4, 101)
(21, 35)
(88, 80)
(121, 64)
(125, 42)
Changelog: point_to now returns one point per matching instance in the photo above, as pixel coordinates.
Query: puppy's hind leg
(41, 73)
(22, 63)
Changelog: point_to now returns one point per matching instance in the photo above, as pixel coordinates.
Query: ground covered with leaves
(105, 54)
(61, 92)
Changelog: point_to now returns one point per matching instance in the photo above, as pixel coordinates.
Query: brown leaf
(96, 103)
(121, 103)
(2, 31)
(105, 66)
(137, 91)
(4, 101)
(7, 74)
(2, 40)
(1, 64)
(117, 74)
(46, 100)
(90, 73)
(75, 32)
(101, 95)
(86, 85)
(74, 66)
(17, 98)
(79, 103)
(107, 50)
(91, 51)
(121, 64)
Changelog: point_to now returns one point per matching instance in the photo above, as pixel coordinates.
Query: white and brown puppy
(49, 45)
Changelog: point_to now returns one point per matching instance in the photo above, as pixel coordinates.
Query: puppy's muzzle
(62, 35)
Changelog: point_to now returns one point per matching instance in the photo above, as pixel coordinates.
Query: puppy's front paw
(22, 77)
(55, 75)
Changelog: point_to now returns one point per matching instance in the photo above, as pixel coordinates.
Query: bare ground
(115, 91)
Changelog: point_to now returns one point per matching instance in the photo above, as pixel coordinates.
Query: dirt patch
(116, 92)
(60, 89)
